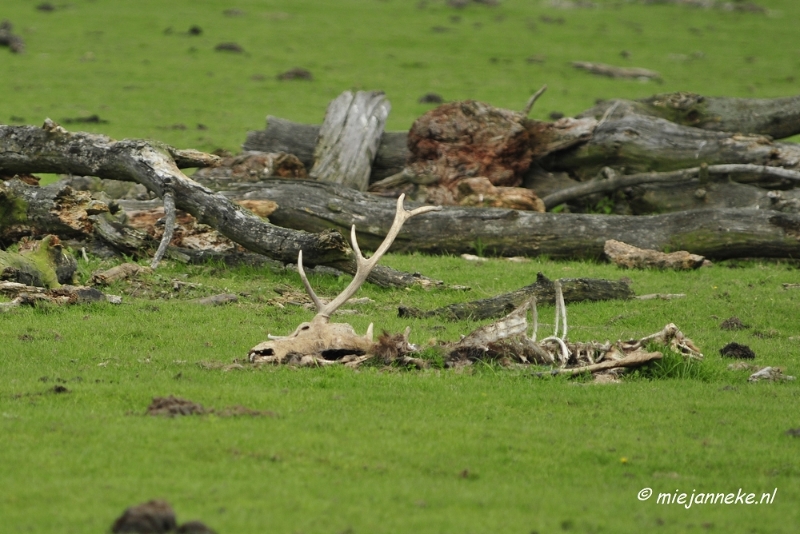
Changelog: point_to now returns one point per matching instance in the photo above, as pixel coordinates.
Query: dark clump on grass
(431, 98)
(734, 323)
(229, 47)
(91, 119)
(735, 350)
(297, 73)
(172, 406)
(795, 432)
(155, 517)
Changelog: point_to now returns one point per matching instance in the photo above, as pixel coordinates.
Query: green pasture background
(483, 450)
(135, 64)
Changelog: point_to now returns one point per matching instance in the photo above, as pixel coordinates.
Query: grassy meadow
(485, 449)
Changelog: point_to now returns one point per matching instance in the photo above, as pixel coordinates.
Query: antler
(363, 265)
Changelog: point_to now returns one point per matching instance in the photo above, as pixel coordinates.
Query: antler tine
(365, 265)
(306, 283)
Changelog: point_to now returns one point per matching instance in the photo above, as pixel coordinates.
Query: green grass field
(482, 450)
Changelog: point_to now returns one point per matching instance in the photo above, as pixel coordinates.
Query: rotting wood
(715, 234)
(644, 144)
(624, 255)
(120, 272)
(601, 69)
(349, 138)
(25, 295)
(52, 149)
(777, 117)
(283, 135)
(543, 289)
(42, 264)
(745, 172)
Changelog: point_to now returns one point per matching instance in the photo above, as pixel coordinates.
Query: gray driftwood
(696, 177)
(349, 138)
(282, 135)
(640, 143)
(52, 149)
(715, 234)
(776, 117)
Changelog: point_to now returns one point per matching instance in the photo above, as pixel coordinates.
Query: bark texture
(282, 135)
(640, 143)
(349, 138)
(715, 234)
(775, 117)
(51, 149)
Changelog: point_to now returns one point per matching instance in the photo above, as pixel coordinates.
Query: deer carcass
(319, 341)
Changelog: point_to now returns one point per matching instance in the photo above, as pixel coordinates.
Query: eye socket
(306, 327)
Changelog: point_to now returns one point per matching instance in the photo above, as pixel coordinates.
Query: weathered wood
(715, 234)
(282, 135)
(639, 143)
(51, 149)
(776, 117)
(601, 69)
(349, 138)
(58, 209)
(574, 290)
(42, 264)
(776, 177)
(625, 255)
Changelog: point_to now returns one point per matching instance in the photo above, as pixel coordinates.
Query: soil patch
(173, 406)
(735, 350)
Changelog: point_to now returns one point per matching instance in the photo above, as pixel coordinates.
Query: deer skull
(320, 342)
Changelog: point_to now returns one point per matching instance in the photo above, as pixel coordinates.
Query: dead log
(574, 290)
(630, 257)
(42, 264)
(25, 295)
(56, 209)
(349, 138)
(715, 234)
(250, 167)
(282, 135)
(601, 69)
(696, 177)
(52, 149)
(639, 143)
(775, 117)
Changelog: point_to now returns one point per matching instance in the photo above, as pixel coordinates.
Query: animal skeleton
(320, 342)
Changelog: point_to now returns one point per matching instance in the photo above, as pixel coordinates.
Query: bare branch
(532, 100)
(169, 228)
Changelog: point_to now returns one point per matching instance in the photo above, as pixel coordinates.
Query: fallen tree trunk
(775, 117)
(715, 234)
(349, 138)
(639, 143)
(574, 290)
(52, 149)
(282, 135)
(775, 176)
